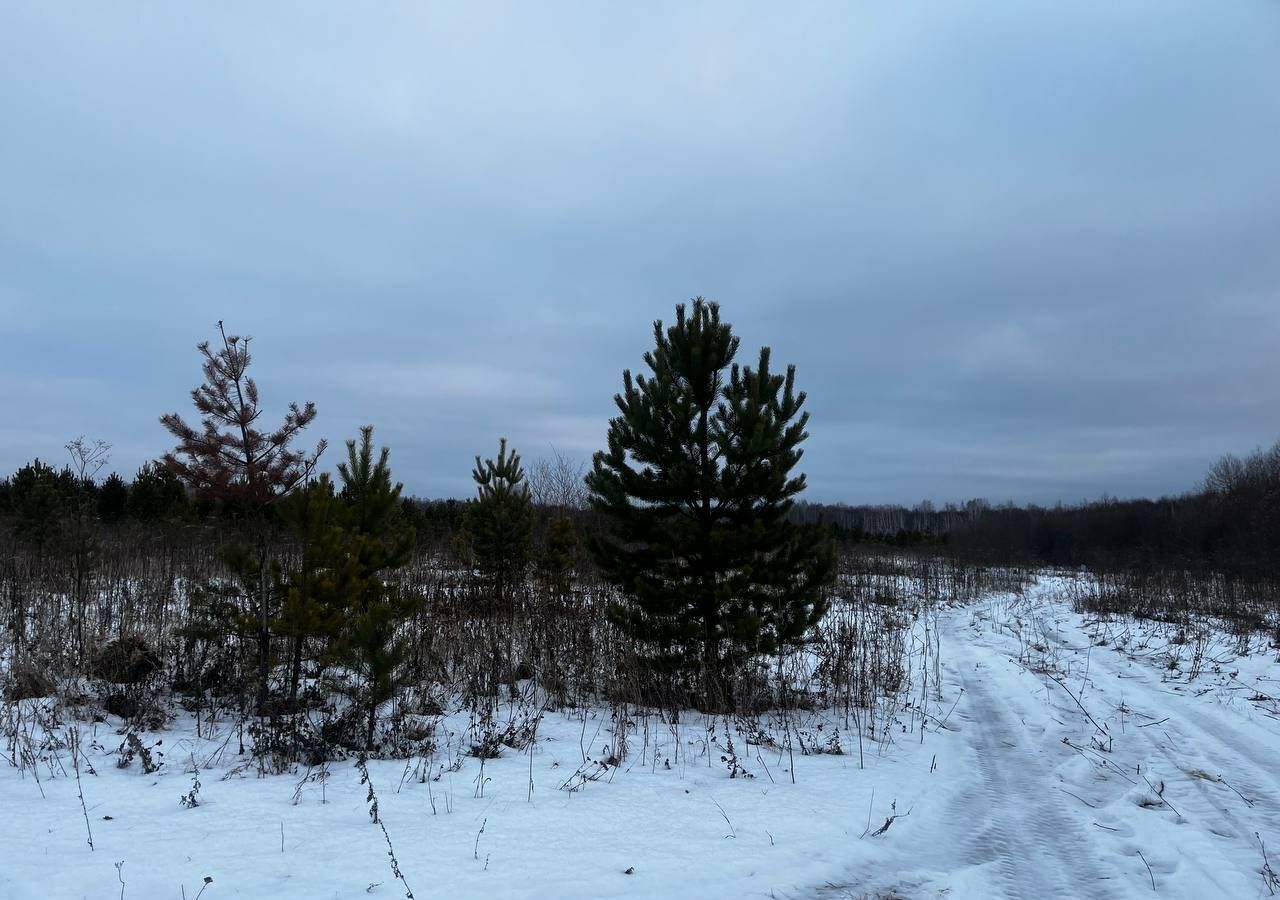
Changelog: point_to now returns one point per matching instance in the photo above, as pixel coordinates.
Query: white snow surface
(1153, 783)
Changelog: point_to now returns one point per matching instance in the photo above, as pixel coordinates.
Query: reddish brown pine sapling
(242, 469)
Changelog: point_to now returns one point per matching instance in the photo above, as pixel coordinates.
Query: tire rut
(1037, 851)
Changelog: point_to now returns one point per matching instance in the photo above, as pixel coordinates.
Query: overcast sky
(1016, 251)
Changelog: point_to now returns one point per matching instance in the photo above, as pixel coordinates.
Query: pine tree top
(229, 458)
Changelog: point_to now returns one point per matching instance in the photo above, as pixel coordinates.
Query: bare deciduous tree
(80, 528)
(556, 482)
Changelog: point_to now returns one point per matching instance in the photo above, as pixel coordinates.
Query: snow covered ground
(1084, 765)
(1062, 757)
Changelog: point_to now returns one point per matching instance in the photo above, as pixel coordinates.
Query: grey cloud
(1016, 251)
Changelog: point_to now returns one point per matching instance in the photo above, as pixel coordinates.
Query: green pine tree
(113, 498)
(156, 495)
(559, 555)
(500, 523)
(376, 542)
(39, 498)
(499, 528)
(696, 485)
(230, 461)
(315, 590)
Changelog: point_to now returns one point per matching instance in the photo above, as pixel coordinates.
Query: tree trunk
(19, 625)
(710, 673)
(295, 671)
(711, 687)
(264, 634)
(79, 602)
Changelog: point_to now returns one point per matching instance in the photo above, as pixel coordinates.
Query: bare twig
(1078, 797)
(732, 831)
(1269, 876)
(73, 740)
(372, 800)
(1149, 872)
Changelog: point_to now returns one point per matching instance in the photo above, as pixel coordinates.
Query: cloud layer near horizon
(1019, 252)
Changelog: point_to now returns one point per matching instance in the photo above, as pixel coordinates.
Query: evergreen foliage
(696, 485)
(243, 470)
(156, 494)
(559, 555)
(230, 460)
(113, 499)
(500, 522)
(314, 592)
(374, 543)
(38, 498)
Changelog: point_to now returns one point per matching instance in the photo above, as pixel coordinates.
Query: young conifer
(696, 485)
(500, 522)
(244, 470)
(376, 542)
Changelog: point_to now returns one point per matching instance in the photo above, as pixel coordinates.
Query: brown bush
(29, 682)
(129, 660)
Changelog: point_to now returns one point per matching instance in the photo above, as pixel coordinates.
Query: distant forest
(1230, 523)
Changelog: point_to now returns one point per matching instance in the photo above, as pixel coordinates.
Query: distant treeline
(896, 525)
(1229, 524)
(37, 496)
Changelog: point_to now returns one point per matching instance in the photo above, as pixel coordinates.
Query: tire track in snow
(1009, 828)
(1198, 837)
(1004, 833)
(1037, 851)
(1201, 740)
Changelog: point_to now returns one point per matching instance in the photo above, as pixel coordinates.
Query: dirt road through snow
(1076, 763)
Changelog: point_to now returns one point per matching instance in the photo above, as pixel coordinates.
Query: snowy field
(1060, 756)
